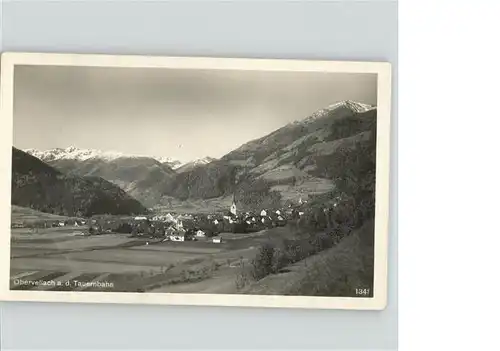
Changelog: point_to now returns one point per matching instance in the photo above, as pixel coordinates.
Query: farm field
(57, 259)
(24, 214)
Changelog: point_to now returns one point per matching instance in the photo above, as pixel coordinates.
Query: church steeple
(233, 206)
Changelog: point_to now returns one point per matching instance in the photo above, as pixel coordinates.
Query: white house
(200, 234)
(263, 213)
(178, 236)
(216, 222)
(169, 218)
(278, 212)
(280, 218)
(61, 224)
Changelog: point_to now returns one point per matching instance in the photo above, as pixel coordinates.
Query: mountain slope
(140, 176)
(123, 171)
(190, 165)
(137, 175)
(41, 187)
(294, 161)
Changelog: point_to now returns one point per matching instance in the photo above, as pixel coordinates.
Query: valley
(90, 220)
(285, 165)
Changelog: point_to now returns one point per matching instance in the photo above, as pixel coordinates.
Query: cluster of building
(185, 227)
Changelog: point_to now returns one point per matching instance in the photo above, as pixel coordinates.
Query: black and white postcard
(194, 181)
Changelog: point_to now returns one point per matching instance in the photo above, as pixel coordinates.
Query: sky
(179, 113)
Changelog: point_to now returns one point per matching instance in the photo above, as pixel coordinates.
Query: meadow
(132, 264)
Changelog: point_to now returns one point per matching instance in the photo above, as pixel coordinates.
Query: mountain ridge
(79, 154)
(39, 186)
(287, 164)
(198, 162)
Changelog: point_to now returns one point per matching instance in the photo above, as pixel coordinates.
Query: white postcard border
(382, 69)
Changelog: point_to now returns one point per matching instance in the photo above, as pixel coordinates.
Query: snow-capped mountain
(173, 163)
(352, 105)
(347, 105)
(198, 162)
(76, 154)
(73, 153)
(203, 161)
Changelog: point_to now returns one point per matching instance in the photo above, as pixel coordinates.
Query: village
(178, 227)
(159, 252)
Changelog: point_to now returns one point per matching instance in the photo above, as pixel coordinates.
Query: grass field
(195, 206)
(27, 215)
(130, 264)
(60, 259)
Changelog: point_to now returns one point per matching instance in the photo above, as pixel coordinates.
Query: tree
(354, 178)
(124, 228)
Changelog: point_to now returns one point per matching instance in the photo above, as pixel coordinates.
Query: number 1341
(363, 292)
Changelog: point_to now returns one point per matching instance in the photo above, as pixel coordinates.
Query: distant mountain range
(75, 154)
(140, 176)
(292, 162)
(39, 186)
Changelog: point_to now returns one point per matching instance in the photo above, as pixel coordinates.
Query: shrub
(242, 280)
(279, 260)
(262, 263)
(124, 228)
(322, 242)
(240, 227)
(298, 249)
